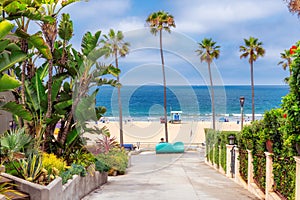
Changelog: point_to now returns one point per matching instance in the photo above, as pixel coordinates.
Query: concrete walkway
(170, 176)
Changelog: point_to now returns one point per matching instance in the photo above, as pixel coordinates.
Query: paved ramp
(170, 176)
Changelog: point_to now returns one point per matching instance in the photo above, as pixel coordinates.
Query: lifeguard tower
(176, 117)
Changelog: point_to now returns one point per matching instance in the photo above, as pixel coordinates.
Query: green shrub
(116, 159)
(243, 158)
(216, 154)
(85, 159)
(223, 141)
(12, 167)
(101, 166)
(73, 170)
(284, 176)
(214, 139)
(210, 140)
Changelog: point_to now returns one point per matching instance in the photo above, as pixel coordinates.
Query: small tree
(286, 62)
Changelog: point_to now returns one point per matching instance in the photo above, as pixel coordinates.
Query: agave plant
(32, 167)
(14, 142)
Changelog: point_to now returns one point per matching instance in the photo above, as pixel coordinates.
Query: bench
(164, 147)
(128, 147)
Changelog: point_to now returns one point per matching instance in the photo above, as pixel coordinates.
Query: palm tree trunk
(252, 89)
(119, 103)
(50, 33)
(165, 85)
(212, 96)
(24, 47)
(49, 131)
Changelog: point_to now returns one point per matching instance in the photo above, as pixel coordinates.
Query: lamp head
(231, 139)
(242, 100)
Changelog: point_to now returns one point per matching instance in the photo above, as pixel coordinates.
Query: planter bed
(74, 189)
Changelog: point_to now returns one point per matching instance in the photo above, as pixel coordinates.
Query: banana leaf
(37, 41)
(85, 109)
(8, 83)
(60, 108)
(18, 110)
(7, 60)
(72, 136)
(36, 95)
(5, 28)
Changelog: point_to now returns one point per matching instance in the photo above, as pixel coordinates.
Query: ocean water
(146, 102)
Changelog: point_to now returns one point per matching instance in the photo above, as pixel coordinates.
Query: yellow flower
(29, 179)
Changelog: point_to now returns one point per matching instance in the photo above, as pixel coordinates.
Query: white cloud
(130, 23)
(200, 16)
(94, 10)
(226, 21)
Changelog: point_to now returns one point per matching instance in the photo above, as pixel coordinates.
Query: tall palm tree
(114, 41)
(159, 21)
(286, 62)
(252, 49)
(207, 52)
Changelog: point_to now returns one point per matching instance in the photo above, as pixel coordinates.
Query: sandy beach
(148, 133)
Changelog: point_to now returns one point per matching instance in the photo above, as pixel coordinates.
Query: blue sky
(227, 22)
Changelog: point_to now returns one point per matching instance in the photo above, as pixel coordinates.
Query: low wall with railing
(260, 182)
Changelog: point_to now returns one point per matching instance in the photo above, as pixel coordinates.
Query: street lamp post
(242, 101)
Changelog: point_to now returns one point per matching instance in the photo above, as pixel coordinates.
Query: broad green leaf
(3, 45)
(15, 6)
(65, 30)
(56, 85)
(8, 83)
(71, 136)
(36, 95)
(95, 54)
(40, 92)
(37, 41)
(85, 109)
(89, 42)
(61, 106)
(18, 110)
(100, 111)
(43, 71)
(5, 28)
(68, 2)
(13, 47)
(8, 60)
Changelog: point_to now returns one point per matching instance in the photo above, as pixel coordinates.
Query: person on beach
(162, 140)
